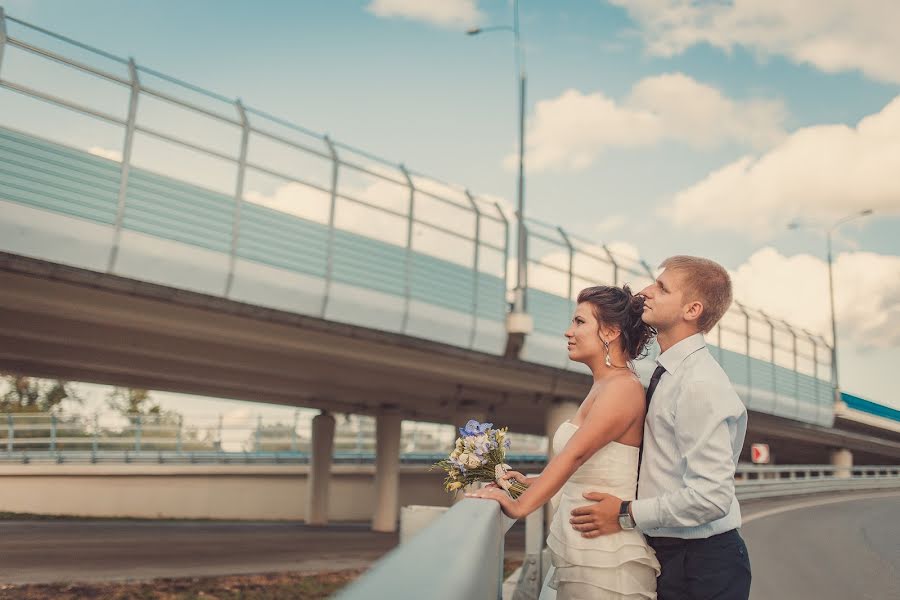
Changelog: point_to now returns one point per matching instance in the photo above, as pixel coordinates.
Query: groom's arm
(704, 430)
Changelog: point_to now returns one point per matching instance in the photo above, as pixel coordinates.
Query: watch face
(625, 522)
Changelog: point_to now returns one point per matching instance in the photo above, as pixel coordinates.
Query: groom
(693, 435)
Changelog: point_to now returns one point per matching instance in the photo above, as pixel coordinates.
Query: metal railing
(468, 538)
(109, 438)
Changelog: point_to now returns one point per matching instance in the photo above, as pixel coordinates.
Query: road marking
(812, 503)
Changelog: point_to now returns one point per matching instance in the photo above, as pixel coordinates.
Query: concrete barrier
(257, 492)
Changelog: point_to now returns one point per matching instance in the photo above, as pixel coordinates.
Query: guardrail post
(505, 247)
(475, 272)
(407, 263)
(238, 194)
(52, 433)
(528, 586)
(10, 426)
(138, 425)
(294, 432)
(95, 438)
(219, 435)
(257, 436)
(130, 125)
(329, 252)
(179, 435)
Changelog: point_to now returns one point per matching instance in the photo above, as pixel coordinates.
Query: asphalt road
(54, 551)
(846, 550)
(822, 548)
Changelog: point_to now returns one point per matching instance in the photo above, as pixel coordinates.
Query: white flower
(473, 461)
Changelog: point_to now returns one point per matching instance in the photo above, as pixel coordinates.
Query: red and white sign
(759, 453)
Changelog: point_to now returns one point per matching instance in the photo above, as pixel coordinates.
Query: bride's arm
(613, 411)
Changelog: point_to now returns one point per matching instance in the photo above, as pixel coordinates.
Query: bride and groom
(658, 466)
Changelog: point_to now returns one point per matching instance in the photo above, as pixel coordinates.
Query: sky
(662, 126)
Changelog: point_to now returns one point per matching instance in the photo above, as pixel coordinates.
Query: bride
(597, 451)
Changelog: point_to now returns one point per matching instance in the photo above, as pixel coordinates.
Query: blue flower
(473, 427)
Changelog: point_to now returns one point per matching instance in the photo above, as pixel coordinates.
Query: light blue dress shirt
(693, 435)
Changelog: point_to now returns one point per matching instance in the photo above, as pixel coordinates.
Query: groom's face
(664, 300)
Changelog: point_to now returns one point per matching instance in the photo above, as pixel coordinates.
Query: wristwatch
(626, 521)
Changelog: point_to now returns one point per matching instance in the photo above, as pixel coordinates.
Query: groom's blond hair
(705, 281)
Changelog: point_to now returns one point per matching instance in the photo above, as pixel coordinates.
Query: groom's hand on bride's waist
(601, 517)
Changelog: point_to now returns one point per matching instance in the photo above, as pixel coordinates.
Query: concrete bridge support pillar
(842, 460)
(387, 472)
(320, 469)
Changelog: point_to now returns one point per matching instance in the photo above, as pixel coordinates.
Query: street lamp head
(866, 212)
(473, 31)
(793, 224)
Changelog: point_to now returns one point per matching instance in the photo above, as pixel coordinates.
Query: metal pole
(407, 263)
(505, 247)
(571, 263)
(179, 438)
(137, 434)
(238, 194)
(329, 252)
(475, 279)
(95, 438)
(834, 371)
(126, 161)
(52, 433)
(294, 432)
(258, 436)
(10, 426)
(2, 35)
(615, 265)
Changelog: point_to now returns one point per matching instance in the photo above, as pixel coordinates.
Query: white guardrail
(460, 554)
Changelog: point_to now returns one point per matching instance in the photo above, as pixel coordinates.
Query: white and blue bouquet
(479, 456)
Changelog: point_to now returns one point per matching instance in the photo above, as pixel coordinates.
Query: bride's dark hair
(619, 307)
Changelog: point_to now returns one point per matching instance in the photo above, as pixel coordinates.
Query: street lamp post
(828, 233)
(521, 251)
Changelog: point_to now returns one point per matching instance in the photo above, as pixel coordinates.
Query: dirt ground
(272, 586)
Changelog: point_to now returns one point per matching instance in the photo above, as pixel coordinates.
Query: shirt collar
(672, 358)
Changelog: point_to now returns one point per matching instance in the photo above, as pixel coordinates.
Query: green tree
(23, 394)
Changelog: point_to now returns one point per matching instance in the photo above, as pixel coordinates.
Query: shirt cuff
(645, 513)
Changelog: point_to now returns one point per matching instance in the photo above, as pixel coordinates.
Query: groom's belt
(674, 542)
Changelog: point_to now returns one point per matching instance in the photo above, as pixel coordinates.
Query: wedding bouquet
(479, 456)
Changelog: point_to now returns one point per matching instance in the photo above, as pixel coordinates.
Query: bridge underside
(67, 322)
(59, 321)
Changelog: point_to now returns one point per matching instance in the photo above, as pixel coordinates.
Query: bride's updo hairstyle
(618, 307)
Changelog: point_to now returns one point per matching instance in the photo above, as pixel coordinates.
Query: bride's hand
(509, 506)
(514, 475)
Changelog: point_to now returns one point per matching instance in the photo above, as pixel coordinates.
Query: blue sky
(633, 114)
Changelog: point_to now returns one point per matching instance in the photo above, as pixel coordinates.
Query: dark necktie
(654, 381)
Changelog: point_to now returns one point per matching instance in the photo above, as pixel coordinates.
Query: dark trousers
(715, 568)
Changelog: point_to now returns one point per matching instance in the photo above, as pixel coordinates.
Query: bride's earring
(606, 344)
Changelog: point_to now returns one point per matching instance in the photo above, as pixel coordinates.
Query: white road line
(812, 503)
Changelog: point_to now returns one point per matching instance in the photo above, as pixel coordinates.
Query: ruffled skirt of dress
(617, 566)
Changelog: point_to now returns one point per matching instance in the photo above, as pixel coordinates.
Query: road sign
(759, 453)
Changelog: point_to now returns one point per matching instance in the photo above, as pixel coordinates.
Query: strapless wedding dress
(617, 566)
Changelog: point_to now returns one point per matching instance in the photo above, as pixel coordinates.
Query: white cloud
(795, 288)
(106, 153)
(452, 14)
(819, 173)
(572, 130)
(611, 223)
(832, 36)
